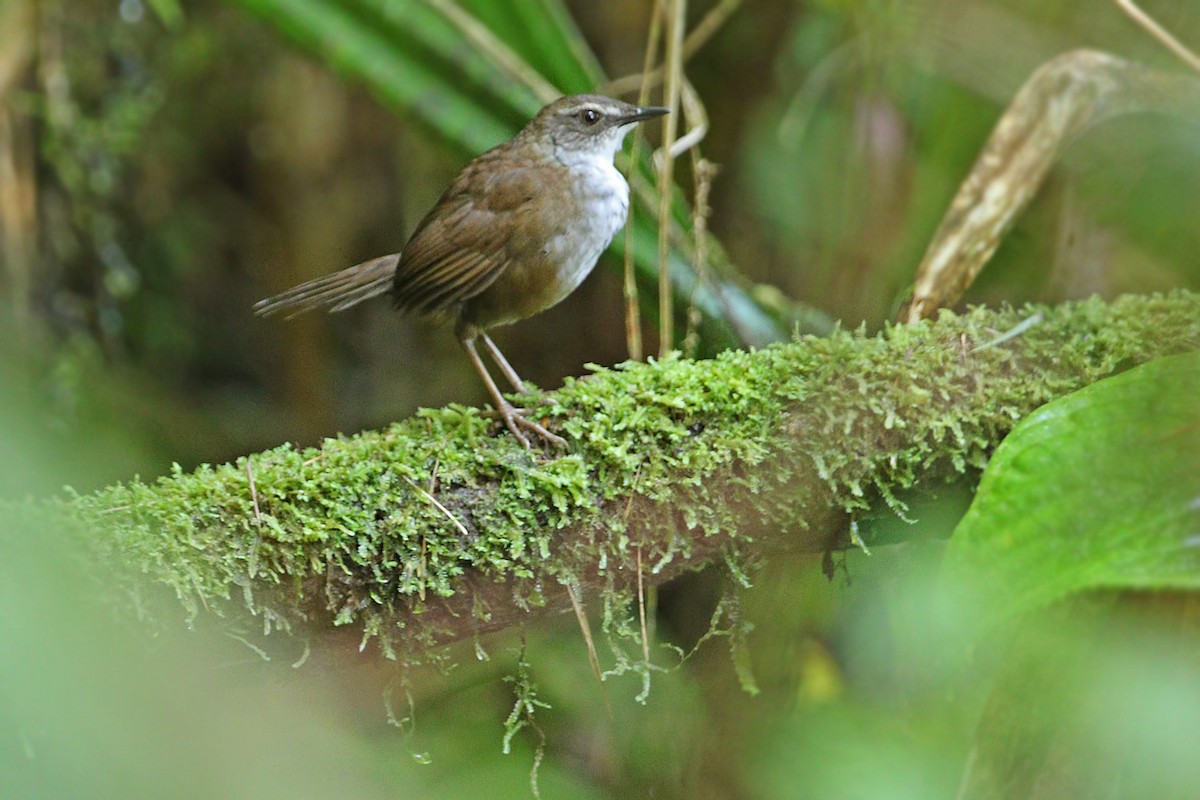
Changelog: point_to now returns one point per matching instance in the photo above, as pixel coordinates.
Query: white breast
(603, 195)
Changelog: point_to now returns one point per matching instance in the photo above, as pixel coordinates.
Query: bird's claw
(514, 419)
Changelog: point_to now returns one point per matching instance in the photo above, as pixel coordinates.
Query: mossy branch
(440, 526)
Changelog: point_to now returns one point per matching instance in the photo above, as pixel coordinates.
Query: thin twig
(422, 569)
(440, 507)
(637, 473)
(1012, 333)
(703, 171)
(633, 317)
(501, 54)
(585, 628)
(696, 117)
(253, 494)
(641, 581)
(699, 36)
(676, 12)
(433, 473)
(1164, 37)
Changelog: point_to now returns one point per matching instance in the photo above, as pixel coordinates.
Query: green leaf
(543, 33)
(411, 58)
(1098, 490)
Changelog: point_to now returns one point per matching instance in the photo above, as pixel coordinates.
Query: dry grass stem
(696, 117)
(585, 628)
(500, 53)
(462, 528)
(633, 317)
(641, 595)
(676, 14)
(703, 172)
(1151, 26)
(705, 29)
(253, 494)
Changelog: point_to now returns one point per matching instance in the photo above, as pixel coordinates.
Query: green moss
(376, 529)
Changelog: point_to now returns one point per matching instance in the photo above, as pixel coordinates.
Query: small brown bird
(517, 231)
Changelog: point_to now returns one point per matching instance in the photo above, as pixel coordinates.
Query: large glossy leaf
(1098, 490)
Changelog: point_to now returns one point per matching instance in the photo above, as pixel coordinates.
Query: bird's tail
(335, 292)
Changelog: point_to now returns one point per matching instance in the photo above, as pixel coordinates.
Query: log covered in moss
(442, 526)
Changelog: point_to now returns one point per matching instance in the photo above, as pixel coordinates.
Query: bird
(517, 231)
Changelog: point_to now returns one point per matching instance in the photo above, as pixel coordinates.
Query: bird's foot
(515, 419)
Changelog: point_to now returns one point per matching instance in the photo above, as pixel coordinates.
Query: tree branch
(438, 527)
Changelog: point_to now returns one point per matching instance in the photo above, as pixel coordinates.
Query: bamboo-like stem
(633, 316)
(676, 12)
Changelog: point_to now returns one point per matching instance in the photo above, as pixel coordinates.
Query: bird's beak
(644, 113)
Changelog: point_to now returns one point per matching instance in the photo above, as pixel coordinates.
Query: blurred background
(164, 166)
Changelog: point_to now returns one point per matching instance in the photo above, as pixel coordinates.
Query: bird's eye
(589, 116)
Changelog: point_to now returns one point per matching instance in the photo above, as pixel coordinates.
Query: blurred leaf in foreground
(1100, 489)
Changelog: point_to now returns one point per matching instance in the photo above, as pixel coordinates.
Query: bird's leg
(502, 363)
(511, 416)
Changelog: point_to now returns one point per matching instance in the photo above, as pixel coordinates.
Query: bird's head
(588, 124)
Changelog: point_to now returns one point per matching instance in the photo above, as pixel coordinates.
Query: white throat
(603, 192)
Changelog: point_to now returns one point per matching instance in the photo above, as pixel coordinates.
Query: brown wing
(465, 242)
